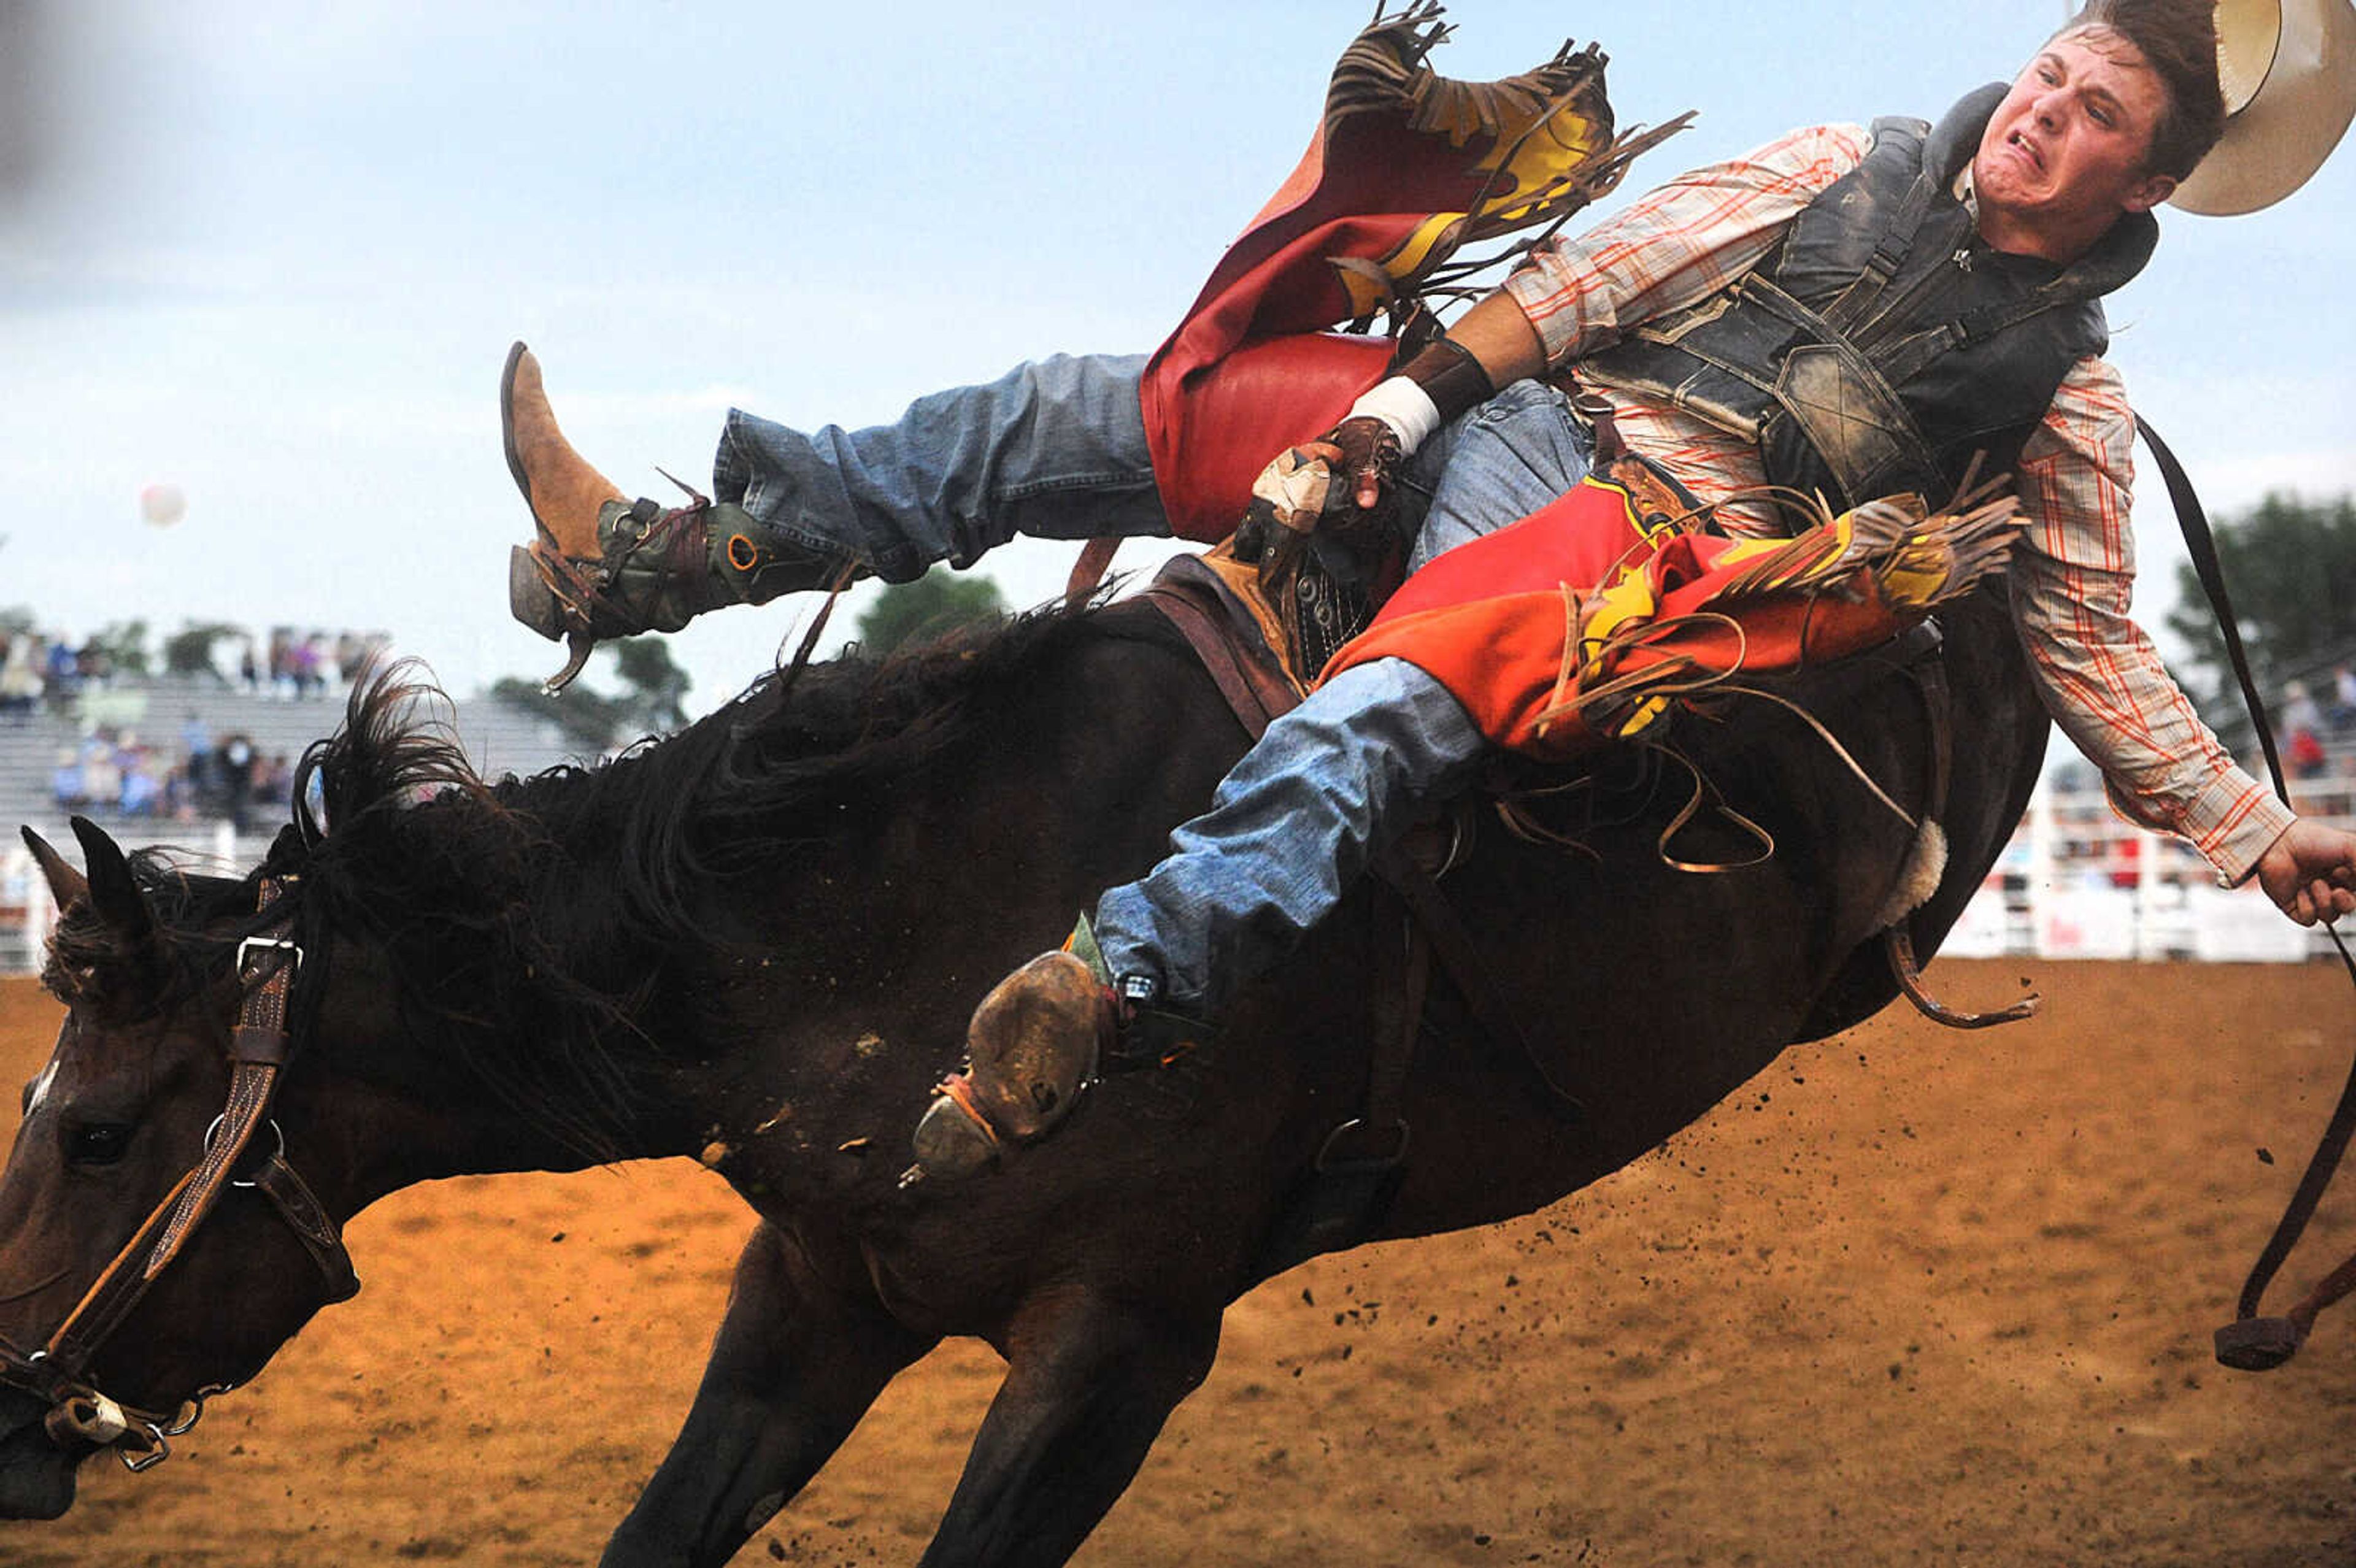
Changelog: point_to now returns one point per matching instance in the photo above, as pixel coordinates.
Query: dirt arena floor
(1913, 1297)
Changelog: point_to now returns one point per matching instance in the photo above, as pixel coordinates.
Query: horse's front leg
(1088, 1384)
(803, 1352)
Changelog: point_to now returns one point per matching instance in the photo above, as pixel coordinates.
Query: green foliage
(657, 684)
(124, 644)
(938, 602)
(2290, 568)
(189, 650)
(650, 703)
(588, 716)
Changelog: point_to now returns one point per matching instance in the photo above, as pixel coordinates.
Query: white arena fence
(2080, 881)
(2076, 881)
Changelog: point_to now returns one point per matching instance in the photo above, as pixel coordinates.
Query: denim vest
(1884, 346)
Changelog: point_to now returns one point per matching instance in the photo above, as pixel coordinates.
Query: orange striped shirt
(2074, 570)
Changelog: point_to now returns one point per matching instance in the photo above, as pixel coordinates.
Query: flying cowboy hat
(2288, 68)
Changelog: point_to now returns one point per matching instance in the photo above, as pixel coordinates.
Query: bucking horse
(757, 942)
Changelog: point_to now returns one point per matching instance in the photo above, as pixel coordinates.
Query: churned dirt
(1912, 1297)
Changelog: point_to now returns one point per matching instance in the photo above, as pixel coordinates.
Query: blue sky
(273, 253)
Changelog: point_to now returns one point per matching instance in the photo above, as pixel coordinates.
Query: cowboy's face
(2063, 157)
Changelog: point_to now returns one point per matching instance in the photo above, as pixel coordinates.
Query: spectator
(2306, 755)
(236, 763)
(64, 683)
(274, 781)
(101, 776)
(142, 790)
(197, 746)
(2298, 709)
(306, 657)
(2343, 699)
(20, 677)
(180, 793)
(65, 784)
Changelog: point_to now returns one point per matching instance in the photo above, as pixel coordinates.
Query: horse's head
(134, 1278)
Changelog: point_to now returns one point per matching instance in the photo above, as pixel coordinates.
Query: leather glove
(1343, 481)
(1366, 459)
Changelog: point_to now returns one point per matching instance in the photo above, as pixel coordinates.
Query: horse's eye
(98, 1143)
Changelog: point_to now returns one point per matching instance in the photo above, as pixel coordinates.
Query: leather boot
(1033, 1046)
(1041, 1036)
(603, 566)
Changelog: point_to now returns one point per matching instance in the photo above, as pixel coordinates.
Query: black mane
(506, 906)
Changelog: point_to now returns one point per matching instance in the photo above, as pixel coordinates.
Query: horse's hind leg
(803, 1352)
(1088, 1385)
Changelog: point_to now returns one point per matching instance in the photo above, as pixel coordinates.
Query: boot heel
(530, 599)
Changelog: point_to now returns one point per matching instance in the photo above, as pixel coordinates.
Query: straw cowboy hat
(2288, 68)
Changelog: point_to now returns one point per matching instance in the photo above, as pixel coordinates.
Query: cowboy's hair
(2178, 39)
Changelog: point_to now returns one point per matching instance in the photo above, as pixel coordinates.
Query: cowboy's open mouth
(2022, 148)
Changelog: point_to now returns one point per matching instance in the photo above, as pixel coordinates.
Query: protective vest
(1883, 345)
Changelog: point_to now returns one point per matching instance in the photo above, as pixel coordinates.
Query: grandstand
(499, 738)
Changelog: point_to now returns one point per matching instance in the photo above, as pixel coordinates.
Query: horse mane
(530, 921)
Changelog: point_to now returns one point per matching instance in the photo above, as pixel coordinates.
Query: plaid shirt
(2073, 567)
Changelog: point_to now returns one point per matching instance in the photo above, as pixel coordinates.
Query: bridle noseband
(260, 1048)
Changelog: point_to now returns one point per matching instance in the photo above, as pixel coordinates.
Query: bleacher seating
(499, 738)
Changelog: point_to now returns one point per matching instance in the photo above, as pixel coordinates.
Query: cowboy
(1945, 280)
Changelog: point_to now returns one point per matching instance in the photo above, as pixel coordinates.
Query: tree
(124, 646)
(936, 602)
(2290, 568)
(657, 687)
(650, 702)
(589, 717)
(189, 650)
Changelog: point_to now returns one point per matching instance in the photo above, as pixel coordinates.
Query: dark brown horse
(758, 941)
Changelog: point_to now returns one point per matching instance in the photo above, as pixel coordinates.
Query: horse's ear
(66, 884)
(113, 891)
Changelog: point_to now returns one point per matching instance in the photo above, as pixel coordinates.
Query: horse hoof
(952, 1143)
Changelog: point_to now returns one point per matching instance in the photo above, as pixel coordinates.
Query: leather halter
(259, 1050)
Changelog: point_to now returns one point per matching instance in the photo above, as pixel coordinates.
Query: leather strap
(2201, 546)
(1375, 1139)
(113, 1295)
(1088, 572)
(312, 1225)
(1254, 694)
(1460, 955)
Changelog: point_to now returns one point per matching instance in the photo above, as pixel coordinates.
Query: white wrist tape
(1407, 407)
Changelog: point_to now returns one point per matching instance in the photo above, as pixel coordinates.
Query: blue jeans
(1057, 449)
(1296, 821)
(1053, 449)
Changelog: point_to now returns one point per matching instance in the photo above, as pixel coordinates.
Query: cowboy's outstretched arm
(2310, 872)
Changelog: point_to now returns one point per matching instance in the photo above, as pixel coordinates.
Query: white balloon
(163, 504)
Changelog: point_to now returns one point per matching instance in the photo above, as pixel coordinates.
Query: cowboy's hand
(1287, 499)
(1366, 458)
(2310, 872)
